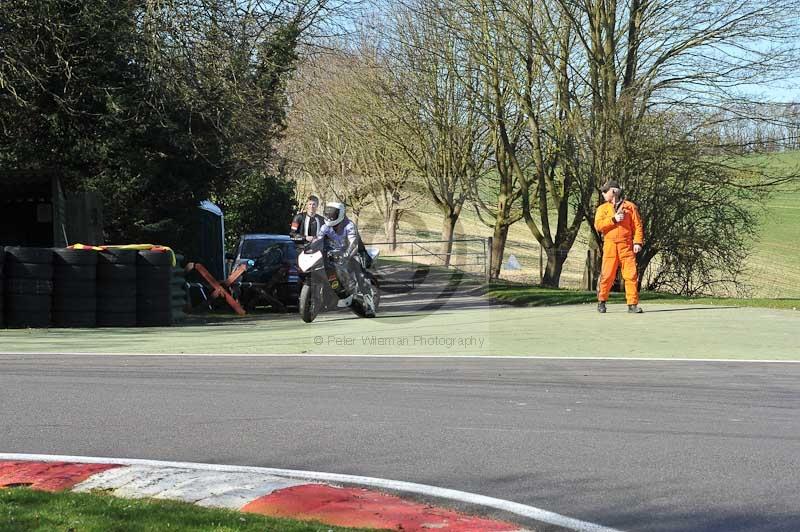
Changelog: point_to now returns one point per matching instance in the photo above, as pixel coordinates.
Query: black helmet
(609, 185)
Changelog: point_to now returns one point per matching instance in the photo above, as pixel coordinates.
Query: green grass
(775, 262)
(23, 509)
(531, 296)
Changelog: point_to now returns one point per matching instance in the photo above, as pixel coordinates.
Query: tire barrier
(2, 285)
(74, 288)
(116, 288)
(44, 287)
(155, 290)
(28, 280)
(178, 290)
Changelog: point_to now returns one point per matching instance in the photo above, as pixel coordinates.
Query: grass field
(773, 267)
(532, 296)
(775, 263)
(25, 510)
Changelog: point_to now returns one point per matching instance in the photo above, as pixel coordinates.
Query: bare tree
(698, 228)
(566, 95)
(339, 144)
(384, 165)
(540, 46)
(497, 195)
(321, 146)
(431, 90)
(633, 62)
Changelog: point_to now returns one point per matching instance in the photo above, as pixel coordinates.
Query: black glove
(335, 255)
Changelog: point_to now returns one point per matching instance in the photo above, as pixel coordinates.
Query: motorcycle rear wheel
(310, 302)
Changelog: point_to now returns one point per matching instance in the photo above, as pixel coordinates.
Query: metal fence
(471, 255)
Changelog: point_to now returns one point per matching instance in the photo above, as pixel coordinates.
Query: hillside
(774, 265)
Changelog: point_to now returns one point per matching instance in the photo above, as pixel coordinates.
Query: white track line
(409, 487)
(448, 357)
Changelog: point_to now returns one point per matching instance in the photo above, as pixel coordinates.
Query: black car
(272, 278)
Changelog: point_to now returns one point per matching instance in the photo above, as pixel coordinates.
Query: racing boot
(634, 309)
(338, 289)
(346, 302)
(369, 305)
(601, 307)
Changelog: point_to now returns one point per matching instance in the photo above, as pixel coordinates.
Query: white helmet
(333, 213)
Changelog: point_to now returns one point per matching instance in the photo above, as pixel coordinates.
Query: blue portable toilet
(211, 239)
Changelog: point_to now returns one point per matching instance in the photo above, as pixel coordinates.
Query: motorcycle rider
(343, 234)
(306, 224)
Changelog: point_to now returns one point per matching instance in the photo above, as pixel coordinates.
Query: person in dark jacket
(306, 225)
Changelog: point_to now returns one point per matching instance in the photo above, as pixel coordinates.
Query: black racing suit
(345, 239)
(299, 229)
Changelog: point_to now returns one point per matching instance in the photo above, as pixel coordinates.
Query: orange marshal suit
(618, 241)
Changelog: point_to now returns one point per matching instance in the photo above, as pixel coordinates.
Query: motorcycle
(321, 288)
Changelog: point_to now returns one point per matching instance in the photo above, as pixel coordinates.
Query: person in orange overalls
(623, 236)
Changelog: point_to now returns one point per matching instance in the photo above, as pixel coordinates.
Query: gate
(469, 256)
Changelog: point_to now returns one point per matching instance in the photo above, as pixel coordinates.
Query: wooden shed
(32, 209)
(35, 211)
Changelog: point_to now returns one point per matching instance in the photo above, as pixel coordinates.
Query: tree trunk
(591, 270)
(643, 260)
(555, 263)
(498, 248)
(390, 227)
(448, 228)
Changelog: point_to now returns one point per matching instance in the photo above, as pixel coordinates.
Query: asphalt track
(636, 445)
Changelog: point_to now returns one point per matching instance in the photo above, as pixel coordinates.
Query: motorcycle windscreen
(310, 261)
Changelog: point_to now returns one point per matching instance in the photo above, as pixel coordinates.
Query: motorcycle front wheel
(310, 302)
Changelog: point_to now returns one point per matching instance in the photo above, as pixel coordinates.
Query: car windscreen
(254, 247)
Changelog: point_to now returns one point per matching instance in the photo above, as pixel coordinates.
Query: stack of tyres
(28, 290)
(178, 288)
(154, 289)
(2, 261)
(116, 288)
(74, 288)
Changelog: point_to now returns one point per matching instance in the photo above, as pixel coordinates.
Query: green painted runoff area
(665, 330)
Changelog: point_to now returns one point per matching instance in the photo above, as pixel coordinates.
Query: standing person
(306, 225)
(623, 236)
